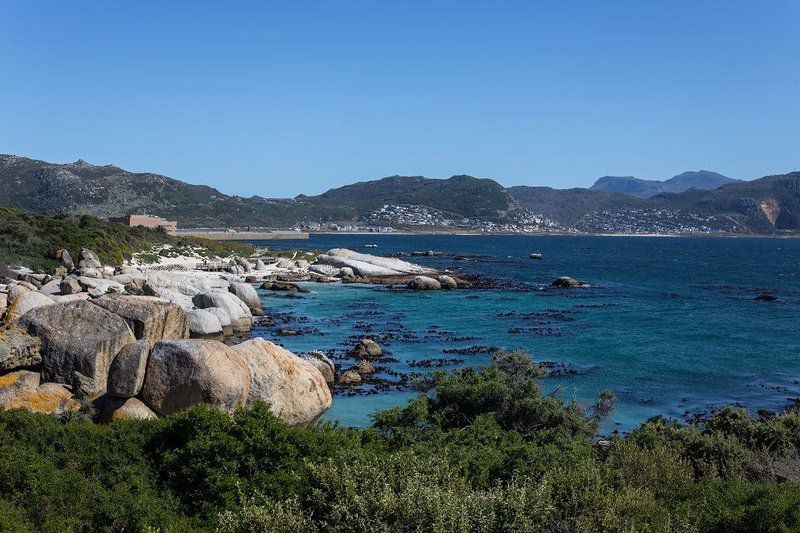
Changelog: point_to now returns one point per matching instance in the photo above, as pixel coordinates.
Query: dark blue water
(671, 325)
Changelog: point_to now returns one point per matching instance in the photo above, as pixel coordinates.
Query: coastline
(555, 234)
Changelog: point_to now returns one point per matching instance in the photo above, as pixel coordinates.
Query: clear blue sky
(281, 98)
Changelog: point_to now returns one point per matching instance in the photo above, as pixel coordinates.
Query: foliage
(33, 240)
(484, 450)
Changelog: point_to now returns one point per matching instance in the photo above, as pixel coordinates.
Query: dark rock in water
(429, 253)
(282, 286)
(363, 367)
(351, 377)
(424, 283)
(285, 332)
(568, 282)
(766, 298)
(367, 349)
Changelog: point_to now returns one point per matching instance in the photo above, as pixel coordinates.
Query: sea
(673, 326)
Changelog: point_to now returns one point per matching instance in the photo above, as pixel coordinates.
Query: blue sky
(282, 98)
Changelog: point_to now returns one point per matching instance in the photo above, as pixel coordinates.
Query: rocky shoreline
(123, 342)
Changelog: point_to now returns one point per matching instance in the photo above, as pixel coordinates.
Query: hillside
(701, 179)
(567, 206)
(32, 240)
(109, 191)
(681, 205)
(460, 195)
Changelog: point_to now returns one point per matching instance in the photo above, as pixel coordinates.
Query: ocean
(670, 325)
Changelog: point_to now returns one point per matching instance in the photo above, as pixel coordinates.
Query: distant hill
(701, 179)
(109, 191)
(692, 202)
(567, 206)
(460, 195)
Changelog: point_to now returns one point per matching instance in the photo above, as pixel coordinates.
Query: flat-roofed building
(152, 221)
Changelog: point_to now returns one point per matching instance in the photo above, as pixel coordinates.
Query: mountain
(627, 185)
(109, 191)
(692, 202)
(701, 179)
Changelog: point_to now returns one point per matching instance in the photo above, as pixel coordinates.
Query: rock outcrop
(239, 313)
(24, 301)
(246, 293)
(149, 318)
(14, 384)
(48, 398)
(184, 373)
(18, 349)
(567, 282)
(77, 336)
(204, 325)
(294, 388)
(366, 349)
(126, 374)
(424, 283)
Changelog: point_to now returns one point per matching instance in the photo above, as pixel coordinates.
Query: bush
(33, 240)
(485, 450)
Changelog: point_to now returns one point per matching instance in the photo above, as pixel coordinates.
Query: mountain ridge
(698, 179)
(768, 205)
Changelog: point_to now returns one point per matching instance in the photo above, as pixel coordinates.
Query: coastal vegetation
(33, 240)
(478, 450)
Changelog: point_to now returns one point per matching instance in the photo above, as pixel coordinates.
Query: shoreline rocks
(145, 342)
(183, 373)
(295, 389)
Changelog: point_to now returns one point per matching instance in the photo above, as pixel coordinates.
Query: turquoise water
(671, 325)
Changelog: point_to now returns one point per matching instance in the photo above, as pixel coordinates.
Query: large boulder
(18, 349)
(77, 336)
(447, 282)
(283, 286)
(16, 383)
(224, 319)
(97, 287)
(424, 283)
(51, 287)
(65, 258)
(48, 398)
(70, 285)
(179, 299)
(88, 259)
(24, 302)
(149, 318)
(184, 373)
(239, 313)
(323, 363)
(370, 265)
(294, 388)
(126, 374)
(247, 293)
(203, 325)
(326, 270)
